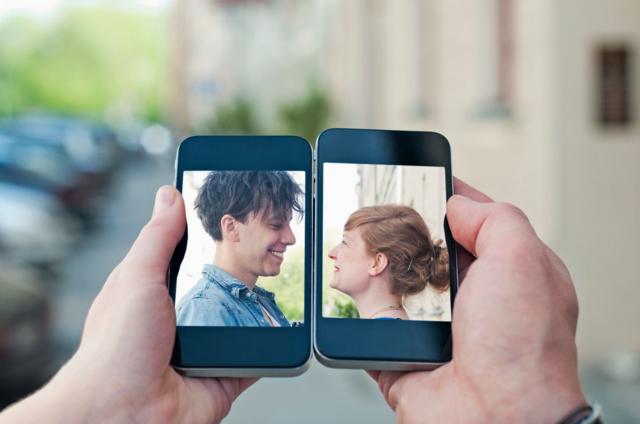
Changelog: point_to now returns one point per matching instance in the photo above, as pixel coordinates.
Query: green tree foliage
(84, 62)
(237, 117)
(344, 308)
(289, 285)
(308, 115)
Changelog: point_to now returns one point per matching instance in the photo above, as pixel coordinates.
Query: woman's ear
(379, 264)
(229, 228)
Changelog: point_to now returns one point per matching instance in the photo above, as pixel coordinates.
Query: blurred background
(538, 99)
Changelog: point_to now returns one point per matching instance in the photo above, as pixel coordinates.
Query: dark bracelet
(584, 414)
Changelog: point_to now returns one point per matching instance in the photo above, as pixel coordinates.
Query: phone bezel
(380, 344)
(242, 351)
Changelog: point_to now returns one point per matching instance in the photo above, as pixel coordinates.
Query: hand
(514, 325)
(121, 370)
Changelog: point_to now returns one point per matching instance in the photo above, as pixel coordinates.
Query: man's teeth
(278, 254)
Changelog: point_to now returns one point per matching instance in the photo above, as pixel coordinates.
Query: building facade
(539, 101)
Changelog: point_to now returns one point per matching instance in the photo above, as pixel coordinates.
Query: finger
(245, 383)
(151, 252)
(235, 386)
(386, 380)
(460, 187)
(373, 374)
(465, 259)
(480, 226)
(222, 392)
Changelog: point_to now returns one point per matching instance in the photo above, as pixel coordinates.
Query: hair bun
(439, 275)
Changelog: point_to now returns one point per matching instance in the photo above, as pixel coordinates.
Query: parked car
(129, 137)
(92, 147)
(34, 227)
(47, 166)
(27, 359)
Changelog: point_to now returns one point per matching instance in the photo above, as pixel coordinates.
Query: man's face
(262, 242)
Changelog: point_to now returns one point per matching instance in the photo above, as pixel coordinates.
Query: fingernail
(458, 197)
(165, 197)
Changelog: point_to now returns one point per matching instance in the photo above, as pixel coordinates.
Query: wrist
(78, 394)
(92, 392)
(546, 398)
(75, 394)
(102, 394)
(548, 407)
(60, 400)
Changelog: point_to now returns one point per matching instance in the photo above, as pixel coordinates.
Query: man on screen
(248, 215)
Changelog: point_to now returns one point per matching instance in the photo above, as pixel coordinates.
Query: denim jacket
(219, 299)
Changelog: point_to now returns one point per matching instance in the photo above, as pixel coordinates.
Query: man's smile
(277, 253)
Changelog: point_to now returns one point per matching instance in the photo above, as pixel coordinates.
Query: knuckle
(159, 228)
(509, 211)
(154, 224)
(574, 308)
(573, 304)
(393, 396)
(389, 388)
(398, 395)
(516, 243)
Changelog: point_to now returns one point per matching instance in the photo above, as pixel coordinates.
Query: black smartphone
(241, 276)
(386, 271)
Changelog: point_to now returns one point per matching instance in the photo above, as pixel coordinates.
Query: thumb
(479, 227)
(151, 252)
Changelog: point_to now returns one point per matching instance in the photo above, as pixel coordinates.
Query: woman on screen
(387, 254)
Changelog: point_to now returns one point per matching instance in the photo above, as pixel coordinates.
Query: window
(495, 41)
(505, 51)
(614, 90)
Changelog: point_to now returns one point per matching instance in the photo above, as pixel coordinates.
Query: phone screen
(384, 252)
(244, 264)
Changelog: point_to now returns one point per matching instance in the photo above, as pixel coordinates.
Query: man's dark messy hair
(240, 193)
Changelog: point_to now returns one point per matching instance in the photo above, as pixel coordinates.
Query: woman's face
(351, 264)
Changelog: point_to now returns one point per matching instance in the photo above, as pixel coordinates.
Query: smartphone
(385, 268)
(241, 277)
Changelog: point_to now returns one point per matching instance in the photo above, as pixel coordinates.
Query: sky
(46, 9)
(340, 195)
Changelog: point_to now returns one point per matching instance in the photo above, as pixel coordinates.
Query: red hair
(400, 233)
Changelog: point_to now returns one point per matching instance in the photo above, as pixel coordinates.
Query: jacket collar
(231, 284)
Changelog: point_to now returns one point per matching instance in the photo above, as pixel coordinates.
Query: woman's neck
(378, 302)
